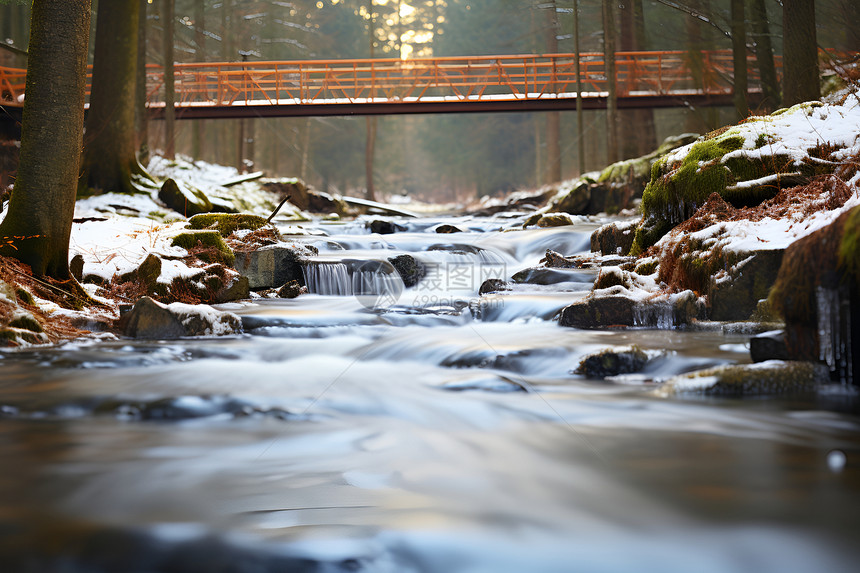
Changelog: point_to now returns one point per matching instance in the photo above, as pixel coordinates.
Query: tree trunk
(370, 138)
(612, 100)
(167, 16)
(369, 152)
(642, 135)
(580, 120)
(200, 56)
(228, 126)
(141, 119)
(764, 56)
(739, 60)
(553, 118)
(37, 227)
(800, 59)
(109, 144)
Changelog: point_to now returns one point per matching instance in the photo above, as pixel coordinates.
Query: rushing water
(435, 431)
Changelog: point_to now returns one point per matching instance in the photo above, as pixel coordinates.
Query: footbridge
(547, 82)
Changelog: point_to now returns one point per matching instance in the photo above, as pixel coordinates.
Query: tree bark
(764, 56)
(370, 136)
(642, 135)
(612, 100)
(141, 119)
(109, 144)
(38, 225)
(739, 60)
(580, 119)
(553, 118)
(800, 59)
(200, 55)
(167, 16)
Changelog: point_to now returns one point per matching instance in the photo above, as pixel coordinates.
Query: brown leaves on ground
(67, 294)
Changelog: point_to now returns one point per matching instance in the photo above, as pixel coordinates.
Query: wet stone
(612, 362)
(291, 289)
(383, 227)
(768, 346)
(409, 268)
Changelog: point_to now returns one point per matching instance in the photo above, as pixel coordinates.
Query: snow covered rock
(149, 319)
(748, 163)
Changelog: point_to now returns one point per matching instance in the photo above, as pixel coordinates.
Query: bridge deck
(432, 85)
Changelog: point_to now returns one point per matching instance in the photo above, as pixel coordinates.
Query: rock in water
(149, 319)
(383, 227)
(446, 229)
(599, 312)
(274, 265)
(765, 378)
(555, 220)
(768, 346)
(612, 362)
(409, 269)
(494, 285)
(292, 289)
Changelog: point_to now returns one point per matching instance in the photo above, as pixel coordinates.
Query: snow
(792, 133)
(119, 244)
(749, 236)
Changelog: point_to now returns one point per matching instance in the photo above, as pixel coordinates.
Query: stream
(434, 431)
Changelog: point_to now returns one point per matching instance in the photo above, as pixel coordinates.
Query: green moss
(24, 296)
(8, 336)
(205, 239)
(26, 322)
(646, 267)
(226, 223)
(849, 246)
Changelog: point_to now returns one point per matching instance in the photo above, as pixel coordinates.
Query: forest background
(437, 157)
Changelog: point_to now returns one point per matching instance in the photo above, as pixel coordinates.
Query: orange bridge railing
(468, 79)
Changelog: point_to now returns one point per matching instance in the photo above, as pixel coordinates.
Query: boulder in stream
(149, 319)
(612, 362)
(272, 266)
(292, 289)
(409, 268)
(774, 377)
(384, 227)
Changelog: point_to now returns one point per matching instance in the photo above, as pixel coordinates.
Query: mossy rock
(821, 272)
(24, 296)
(678, 188)
(764, 378)
(555, 220)
(226, 223)
(25, 321)
(183, 199)
(207, 239)
(612, 362)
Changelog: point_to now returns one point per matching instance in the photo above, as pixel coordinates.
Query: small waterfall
(659, 315)
(327, 278)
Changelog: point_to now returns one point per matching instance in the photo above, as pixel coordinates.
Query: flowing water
(429, 430)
